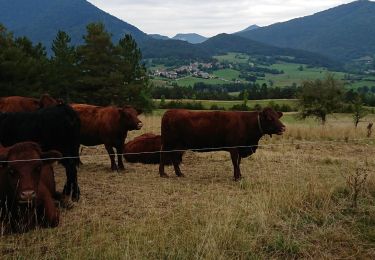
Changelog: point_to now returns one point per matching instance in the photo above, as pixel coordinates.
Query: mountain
(345, 32)
(40, 20)
(250, 28)
(25, 17)
(193, 38)
(224, 43)
(175, 49)
(159, 37)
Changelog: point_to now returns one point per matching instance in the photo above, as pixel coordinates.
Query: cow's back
(53, 128)
(18, 104)
(198, 130)
(143, 149)
(98, 124)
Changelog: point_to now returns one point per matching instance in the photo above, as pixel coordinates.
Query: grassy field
(228, 74)
(294, 202)
(228, 104)
(190, 81)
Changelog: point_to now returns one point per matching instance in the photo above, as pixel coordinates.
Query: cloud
(209, 17)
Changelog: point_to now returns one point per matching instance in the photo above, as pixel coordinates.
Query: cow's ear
(266, 114)
(50, 156)
(280, 114)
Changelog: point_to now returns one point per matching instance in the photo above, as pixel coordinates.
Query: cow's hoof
(237, 178)
(66, 203)
(181, 175)
(164, 175)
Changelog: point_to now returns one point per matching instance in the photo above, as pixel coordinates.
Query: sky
(209, 17)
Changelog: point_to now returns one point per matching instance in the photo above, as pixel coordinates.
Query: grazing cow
(26, 104)
(144, 149)
(108, 126)
(27, 187)
(54, 128)
(235, 132)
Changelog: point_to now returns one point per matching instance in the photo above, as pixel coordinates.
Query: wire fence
(204, 149)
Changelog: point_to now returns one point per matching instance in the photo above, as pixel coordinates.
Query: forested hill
(223, 43)
(344, 32)
(40, 20)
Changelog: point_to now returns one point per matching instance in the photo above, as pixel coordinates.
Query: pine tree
(99, 79)
(134, 87)
(64, 71)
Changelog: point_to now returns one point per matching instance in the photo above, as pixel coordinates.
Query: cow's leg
(236, 159)
(176, 164)
(68, 184)
(162, 163)
(120, 151)
(49, 210)
(112, 156)
(71, 172)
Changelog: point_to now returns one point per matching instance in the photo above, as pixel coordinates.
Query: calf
(108, 126)
(235, 132)
(27, 187)
(144, 149)
(53, 128)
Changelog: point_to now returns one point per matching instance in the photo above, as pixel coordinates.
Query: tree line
(97, 72)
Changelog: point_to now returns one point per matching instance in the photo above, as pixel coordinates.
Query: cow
(26, 104)
(54, 128)
(235, 132)
(27, 187)
(108, 126)
(144, 149)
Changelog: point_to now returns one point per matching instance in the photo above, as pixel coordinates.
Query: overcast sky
(209, 17)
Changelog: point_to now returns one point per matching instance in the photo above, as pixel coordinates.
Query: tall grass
(294, 202)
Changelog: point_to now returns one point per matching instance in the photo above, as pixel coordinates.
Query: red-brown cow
(108, 126)
(235, 132)
(26, 104)
(144, 149)
(27, 187)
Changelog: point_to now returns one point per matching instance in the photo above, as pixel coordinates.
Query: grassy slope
(294, 202)
(291, 74)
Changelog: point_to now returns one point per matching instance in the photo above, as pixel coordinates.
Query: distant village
(195, 69)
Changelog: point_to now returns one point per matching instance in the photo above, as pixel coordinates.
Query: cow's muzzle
(282, 130)
(27, 196)
(139, 125)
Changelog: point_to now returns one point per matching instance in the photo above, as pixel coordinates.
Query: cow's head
(47, 101)
(269, 122)
(131, 118)
(23, 165)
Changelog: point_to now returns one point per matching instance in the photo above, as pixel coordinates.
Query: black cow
(54, 128)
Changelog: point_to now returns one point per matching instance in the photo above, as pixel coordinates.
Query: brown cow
(144, 149)
(27, 187)
(235, 132)
(26, 104)
(108, 126)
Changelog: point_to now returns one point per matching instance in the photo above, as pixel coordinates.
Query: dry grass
(294, 202)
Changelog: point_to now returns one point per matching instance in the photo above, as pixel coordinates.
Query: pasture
(295, 201)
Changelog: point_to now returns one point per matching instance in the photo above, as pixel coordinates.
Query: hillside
(25, 18)
(344, 32)
(224, 43)
(190, 37)
(40, 20)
